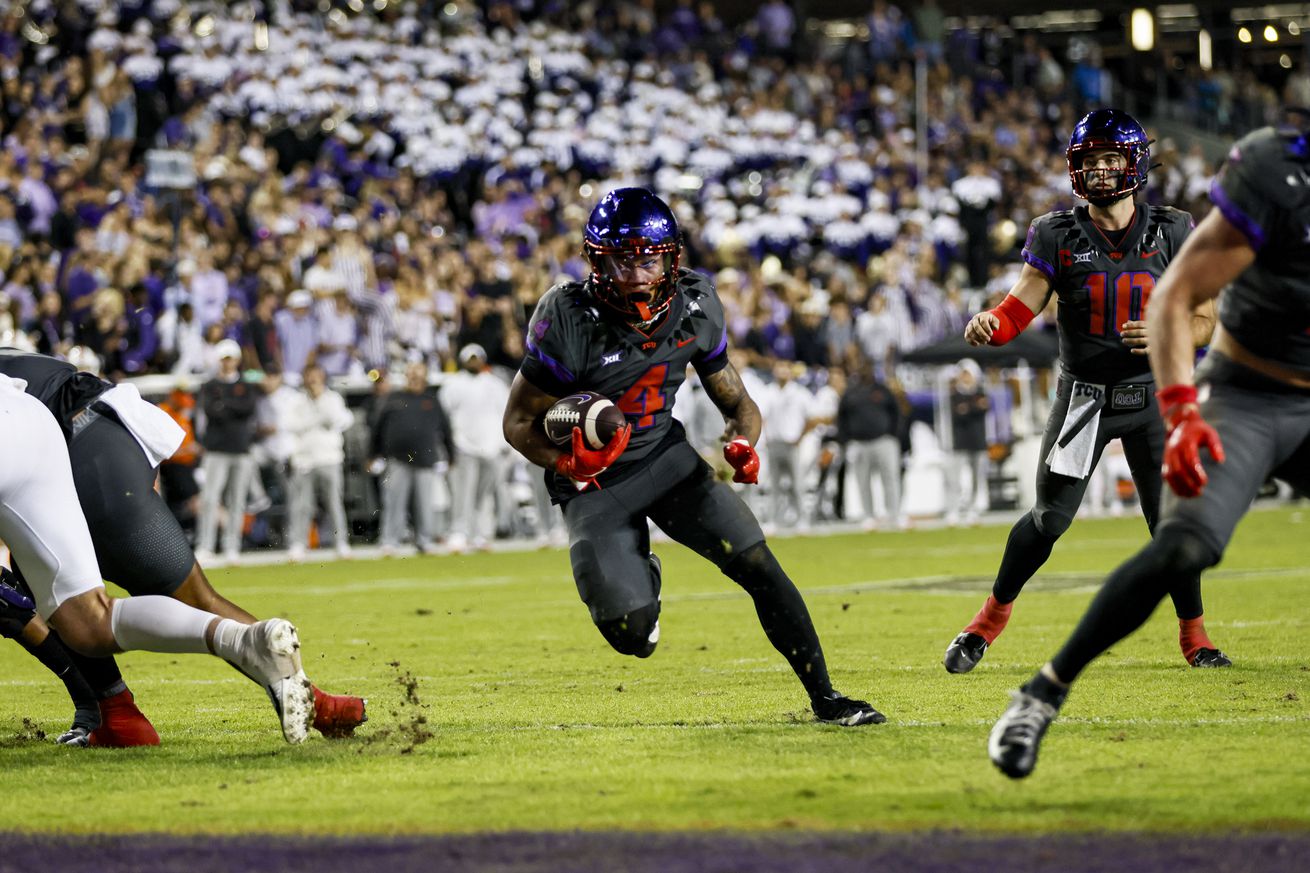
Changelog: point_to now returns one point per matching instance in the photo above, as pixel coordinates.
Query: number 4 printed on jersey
(1125, 302)
(646, 397)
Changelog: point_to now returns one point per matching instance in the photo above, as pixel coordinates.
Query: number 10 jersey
(1100, 285)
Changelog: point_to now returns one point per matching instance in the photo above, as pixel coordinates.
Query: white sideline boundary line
(372, 586)
(908, 584)
(893, 722)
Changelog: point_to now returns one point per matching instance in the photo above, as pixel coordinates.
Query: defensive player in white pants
(42, 522)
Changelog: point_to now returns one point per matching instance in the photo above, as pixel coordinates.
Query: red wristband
(1014, 316)
(1175, 395)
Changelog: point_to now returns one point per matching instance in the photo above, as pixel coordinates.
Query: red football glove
(585, 464)
(743, 459)
(1188, 433)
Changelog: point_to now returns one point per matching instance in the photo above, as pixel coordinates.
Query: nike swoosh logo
(684, 342)
(1150, 254)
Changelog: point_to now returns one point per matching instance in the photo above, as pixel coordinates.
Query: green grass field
(531, 722)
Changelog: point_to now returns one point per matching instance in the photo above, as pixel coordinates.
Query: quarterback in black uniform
(628, 333)
(115, 441)
(1102, 262)
(1251, 414)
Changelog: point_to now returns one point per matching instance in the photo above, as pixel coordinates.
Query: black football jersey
(1263, 190)
(1100, 285)
(57, 384)
(574, 344)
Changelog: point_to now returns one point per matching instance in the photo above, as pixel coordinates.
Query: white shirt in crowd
(273, 414)
(318, 425)
(475, 405)
(787, 409)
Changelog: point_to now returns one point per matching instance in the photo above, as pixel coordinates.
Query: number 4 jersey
(1100, 285)
(574, 344)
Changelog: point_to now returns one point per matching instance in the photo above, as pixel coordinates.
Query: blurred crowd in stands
(376, 192)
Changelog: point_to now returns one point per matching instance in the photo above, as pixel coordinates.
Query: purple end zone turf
(922, 852)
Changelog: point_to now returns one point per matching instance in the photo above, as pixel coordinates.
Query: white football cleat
(271, 656)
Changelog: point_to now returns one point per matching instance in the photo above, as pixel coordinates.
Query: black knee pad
(1051, 522)
(16, 608)
(630, 634)
(754, 568)
(1182, 552)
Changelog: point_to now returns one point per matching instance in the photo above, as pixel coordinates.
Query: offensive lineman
(1251, 414)
(628, 333)
(1102, 262)
(43, 526)
(115, 440)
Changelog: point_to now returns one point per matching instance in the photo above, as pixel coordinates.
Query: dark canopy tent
(1038, 348)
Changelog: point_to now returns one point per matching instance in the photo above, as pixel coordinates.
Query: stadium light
(1205, 50)
(1271, 33)
(1141, 30)
(1243, 35)
(1285, 62)
(1293, 28)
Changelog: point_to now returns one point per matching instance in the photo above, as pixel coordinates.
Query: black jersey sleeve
(1040, 250)
(1251, 189)
(555, 343)
(712, 335)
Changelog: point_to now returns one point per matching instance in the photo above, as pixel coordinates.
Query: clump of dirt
(409, 723)
(30, 732)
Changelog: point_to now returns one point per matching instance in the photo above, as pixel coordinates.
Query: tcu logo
(1082, 389)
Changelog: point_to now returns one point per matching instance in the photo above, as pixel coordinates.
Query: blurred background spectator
(365, 187)
(228, 429)
(316, 420)
(412, 448)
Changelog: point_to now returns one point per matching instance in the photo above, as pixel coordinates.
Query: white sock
(154, 623)
(228, 638)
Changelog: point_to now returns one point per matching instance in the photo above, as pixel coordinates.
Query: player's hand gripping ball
(596, 416)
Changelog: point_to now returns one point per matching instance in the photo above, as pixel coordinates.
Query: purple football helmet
(1109, 129)
(631, 241)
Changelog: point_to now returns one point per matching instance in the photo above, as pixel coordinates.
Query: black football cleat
(85, 721)
(656, 574)
(1016, 735)
(836, 709)
(964, 652)
(1210, 658)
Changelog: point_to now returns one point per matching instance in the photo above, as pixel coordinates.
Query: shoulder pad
(1169, 215)
(1061, 219)
(694, 284)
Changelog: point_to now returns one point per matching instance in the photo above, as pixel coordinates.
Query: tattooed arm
(741, 415)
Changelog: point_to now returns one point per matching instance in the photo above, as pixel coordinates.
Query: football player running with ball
(628, 333)
(1102, 262)
(1249, 419)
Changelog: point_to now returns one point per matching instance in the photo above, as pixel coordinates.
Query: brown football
(598, 417)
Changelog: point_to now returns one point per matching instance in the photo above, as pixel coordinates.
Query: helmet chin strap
(1109, 200)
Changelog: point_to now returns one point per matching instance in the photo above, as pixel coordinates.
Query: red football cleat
(122, 725)
(337, 715)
